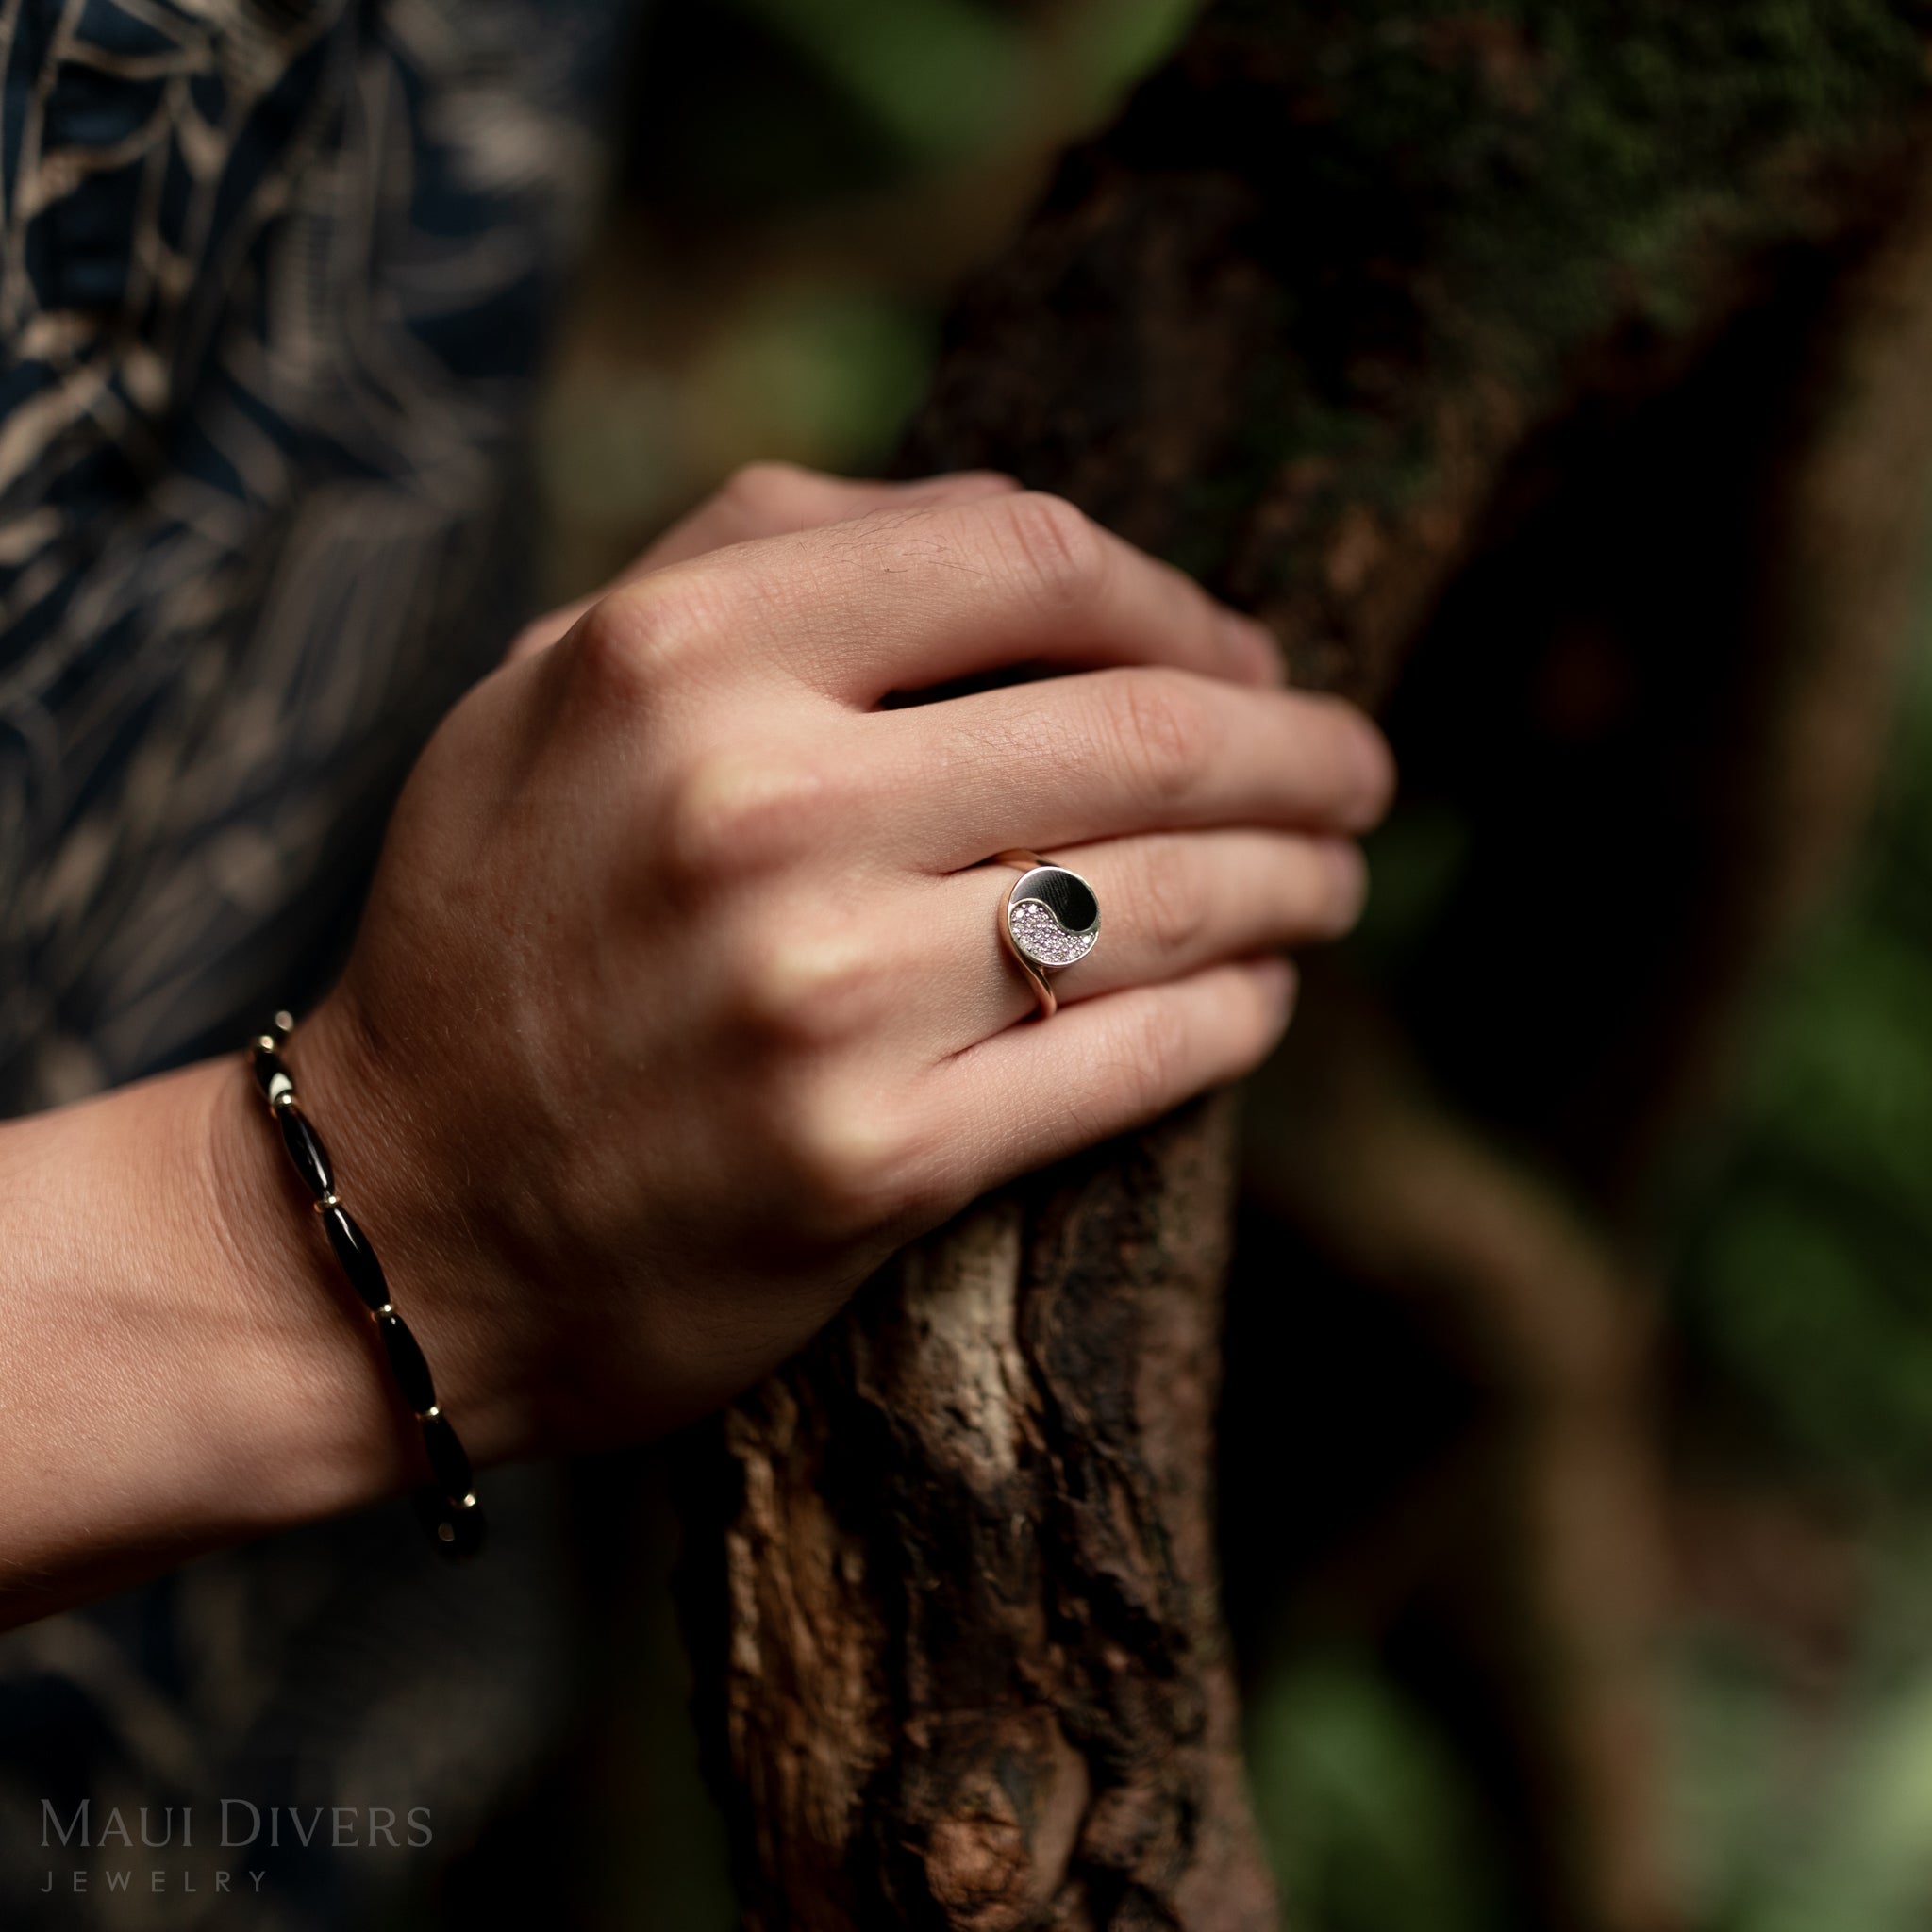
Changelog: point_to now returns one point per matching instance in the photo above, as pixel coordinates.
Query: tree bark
(975, 1671)
(1304, 320)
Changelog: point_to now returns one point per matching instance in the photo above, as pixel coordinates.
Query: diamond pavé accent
(1042, 937)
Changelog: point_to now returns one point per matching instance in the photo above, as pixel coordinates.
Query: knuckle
(627, 647)
(1055, 547)
(802, 985)
(1161, 734)
(852, 1163)
(733, 814)
(1170, 896)
(761, 491)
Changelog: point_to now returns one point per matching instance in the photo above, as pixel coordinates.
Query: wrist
(440, 1263)
(305, 1384)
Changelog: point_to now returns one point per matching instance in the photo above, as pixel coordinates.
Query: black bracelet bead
(305, 1150)
(448, 1509)
(447, 1458)
(406, 1363)
(357, 1258)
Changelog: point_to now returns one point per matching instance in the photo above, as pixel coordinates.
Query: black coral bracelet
(448, 1509)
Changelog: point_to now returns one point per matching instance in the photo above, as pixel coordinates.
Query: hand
(679, 1001)
(765, 500)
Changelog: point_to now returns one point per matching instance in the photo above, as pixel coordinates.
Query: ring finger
(1171, 904)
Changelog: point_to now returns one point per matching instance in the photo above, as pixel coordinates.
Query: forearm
(178, 1367)
(678, 999)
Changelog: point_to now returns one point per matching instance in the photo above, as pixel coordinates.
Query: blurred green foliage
(809, 370)
(1813, 1815)
(1362, 1807)
(1801, 1304)
(938, 76)
(820, 99)
(1807, 1281)
(1805, 1296)
(802, 183)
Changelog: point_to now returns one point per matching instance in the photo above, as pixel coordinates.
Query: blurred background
(804, 183)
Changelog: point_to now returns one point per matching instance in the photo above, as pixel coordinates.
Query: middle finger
(1115, 752)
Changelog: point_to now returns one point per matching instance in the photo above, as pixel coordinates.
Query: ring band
(1048, 921)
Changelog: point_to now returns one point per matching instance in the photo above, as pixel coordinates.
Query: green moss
(1479, 196)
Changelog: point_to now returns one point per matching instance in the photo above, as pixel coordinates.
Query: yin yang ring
(1049, 921)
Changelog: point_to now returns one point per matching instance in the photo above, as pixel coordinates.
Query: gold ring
(1050, 919)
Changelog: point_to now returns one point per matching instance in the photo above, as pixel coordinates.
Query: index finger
(908, 599)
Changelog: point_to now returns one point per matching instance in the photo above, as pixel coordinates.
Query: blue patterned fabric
(274, 277)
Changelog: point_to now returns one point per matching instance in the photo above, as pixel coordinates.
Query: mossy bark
(1310, 319)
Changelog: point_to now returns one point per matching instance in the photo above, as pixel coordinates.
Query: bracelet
(448, 1509)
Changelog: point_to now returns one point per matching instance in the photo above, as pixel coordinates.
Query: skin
(677, 1004)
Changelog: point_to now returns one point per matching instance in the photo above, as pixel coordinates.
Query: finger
(1069, 759)
(1035, 1093)
(774, 499)
(766, 500)
(920, 597)
(1170, 906)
